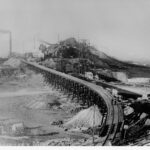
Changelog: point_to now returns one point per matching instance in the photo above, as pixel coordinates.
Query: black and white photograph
(75, 73)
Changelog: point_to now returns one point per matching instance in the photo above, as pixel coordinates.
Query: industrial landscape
(71, 94)
(75, 73)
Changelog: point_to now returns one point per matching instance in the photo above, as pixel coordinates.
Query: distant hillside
(71, 48)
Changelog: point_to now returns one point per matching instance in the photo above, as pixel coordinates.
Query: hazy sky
(123, 26)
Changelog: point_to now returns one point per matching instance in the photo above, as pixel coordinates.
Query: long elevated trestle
(87, 94)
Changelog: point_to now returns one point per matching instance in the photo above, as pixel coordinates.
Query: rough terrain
(32, 113)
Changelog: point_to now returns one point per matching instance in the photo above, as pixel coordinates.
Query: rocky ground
(32, 113)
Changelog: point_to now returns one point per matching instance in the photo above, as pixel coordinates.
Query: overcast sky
(120, 28)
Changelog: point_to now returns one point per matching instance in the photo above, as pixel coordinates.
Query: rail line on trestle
(87, 95)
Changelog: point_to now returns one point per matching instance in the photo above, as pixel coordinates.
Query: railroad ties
(87, 94)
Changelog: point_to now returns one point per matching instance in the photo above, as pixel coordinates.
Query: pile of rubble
(12, 128)
(90, 117)
(68, 142)
(13, 62)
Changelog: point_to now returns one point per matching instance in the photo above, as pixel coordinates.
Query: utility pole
(10, 39)
(10, 43)
(93, 133)
(23, 46)
(58, 37)
(34, 43)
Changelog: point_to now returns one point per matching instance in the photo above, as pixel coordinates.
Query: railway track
(115, 122)
(88, 94)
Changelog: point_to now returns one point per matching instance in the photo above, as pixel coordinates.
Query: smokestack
(10, 39)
